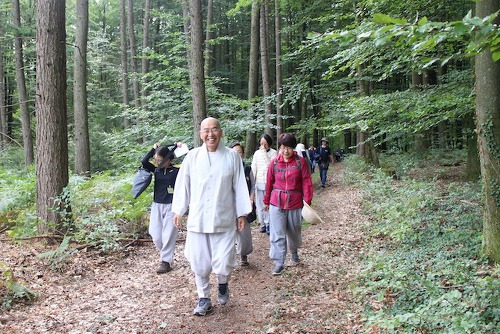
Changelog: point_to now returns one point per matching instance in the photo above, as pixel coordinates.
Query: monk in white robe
(211, 184)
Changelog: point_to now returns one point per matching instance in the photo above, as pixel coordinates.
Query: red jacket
(286, 185)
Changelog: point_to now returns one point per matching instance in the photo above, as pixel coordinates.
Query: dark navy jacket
(164, 179)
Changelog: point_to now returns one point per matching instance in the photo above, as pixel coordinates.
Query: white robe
(213, 189)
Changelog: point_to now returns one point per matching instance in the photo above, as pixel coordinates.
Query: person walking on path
(311, 151)
(161, 225)
(324, 154)
(288, 186)
(211, 184)
(244, 245)
(260, 163)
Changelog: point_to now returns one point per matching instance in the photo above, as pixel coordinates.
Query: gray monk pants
(163, 230)
(285, 229)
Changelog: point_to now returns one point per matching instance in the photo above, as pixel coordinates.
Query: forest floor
(121, 292)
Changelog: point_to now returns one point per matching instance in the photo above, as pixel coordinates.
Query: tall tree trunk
(133, 53)
(123, 42)
(209, 36)
(82, 142)
(52, 126)
(367, 148)
(145, 48)
(279, 88)
(347, 141)
(473, 167)
(264, 62)
(21, 86)
(187, 28)
(253, 76)
(488, 130)
(196, 75)
(3, 109)
(420, 139)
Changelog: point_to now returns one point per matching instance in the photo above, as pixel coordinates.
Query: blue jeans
(322, 172)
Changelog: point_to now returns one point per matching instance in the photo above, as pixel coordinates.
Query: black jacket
(164, 179)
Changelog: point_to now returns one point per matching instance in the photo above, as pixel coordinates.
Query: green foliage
(110, 213)
(401, 114)
(11, 290)
(57, 257)
(100, 219)
(425, 272)
(23, 181)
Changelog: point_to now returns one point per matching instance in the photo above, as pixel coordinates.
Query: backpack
(141, 182)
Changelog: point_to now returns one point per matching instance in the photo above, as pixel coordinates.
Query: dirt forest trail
(123, 294)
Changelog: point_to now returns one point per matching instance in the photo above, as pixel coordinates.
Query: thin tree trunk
(419, 140)
(196, 75)
(279, 88)
(473, 167)
(3, 109)
(133, 53)
(21, 87)
(369, 152)
(145, 48)
(82, 142)
(187, 27)
(264, 61)
(123, 40)
(209, 36)
(253, 76)
(51, 128)
(488, 130)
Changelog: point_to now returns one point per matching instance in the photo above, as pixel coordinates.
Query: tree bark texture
(196, 73)
(488, 132)
(253, 76)
(145, 47)
(279, 80)
(133, 53)
(473, 166)
(124, 60)
(420, 141)
(209, 36)
(21, 86)
(51, 129)
(264, 62)
(3, 108)
(82, 142)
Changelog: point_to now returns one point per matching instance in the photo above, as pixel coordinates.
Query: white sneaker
(203, 307)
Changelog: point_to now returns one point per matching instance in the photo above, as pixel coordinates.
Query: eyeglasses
(212, 130)
(285, 148)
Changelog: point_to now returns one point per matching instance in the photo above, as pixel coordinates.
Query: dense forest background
(87, 87)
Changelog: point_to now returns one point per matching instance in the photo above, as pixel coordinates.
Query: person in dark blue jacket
(324, 158)
(161, 226)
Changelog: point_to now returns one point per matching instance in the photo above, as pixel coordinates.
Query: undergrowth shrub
(11, 290)
(102, 207)
(425, 272)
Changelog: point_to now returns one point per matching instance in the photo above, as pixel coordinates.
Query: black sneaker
(244, 261)
(223, 294)
(263, 229)
(164, 268)
(295, 257)
(278, 269)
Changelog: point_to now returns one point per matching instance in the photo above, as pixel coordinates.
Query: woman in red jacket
(288, 185)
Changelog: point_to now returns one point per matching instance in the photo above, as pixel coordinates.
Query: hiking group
(221, 196)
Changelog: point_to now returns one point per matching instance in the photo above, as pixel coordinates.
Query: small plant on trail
(11, 291)
(57, 257)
